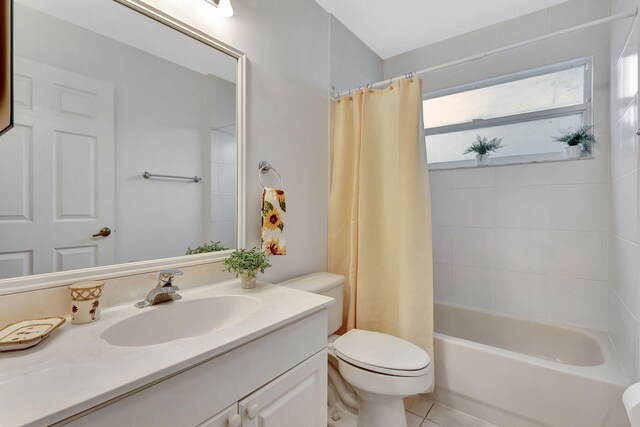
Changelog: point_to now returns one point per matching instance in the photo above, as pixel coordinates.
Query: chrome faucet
(164, 291)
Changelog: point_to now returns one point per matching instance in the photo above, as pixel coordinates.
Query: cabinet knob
(253, 411)
(234, 421)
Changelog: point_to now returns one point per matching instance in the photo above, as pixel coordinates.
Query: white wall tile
(214, 176)
(624, 206)
(473, 178)
(623, 274)
(508, 176)
(629, 70)
(624, 150)
(227, 178)
(223, 207)
(442, 282)
(441, 212)
(623, 330)
(226, 148)
(522, 207)
(441, 245)
(522, 250)
(585, 171)
(578, 302)
(473, 247)
(578, 207)
(521, 294)
(578, 254)
(225, 233)
(440, 180)
(473, 287)
(474, 207)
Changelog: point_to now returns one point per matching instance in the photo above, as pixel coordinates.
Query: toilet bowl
(381, 369)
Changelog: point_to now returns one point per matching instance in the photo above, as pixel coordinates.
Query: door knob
(253, 411)
(104, 232)
(234, 421)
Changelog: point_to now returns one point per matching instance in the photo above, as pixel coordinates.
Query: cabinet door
(298, 398)
(227, 418)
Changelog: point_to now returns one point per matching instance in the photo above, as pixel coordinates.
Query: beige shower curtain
(380, 212)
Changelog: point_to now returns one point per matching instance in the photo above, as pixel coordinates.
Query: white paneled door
(57, 173)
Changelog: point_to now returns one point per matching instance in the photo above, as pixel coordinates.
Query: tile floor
(424, 412)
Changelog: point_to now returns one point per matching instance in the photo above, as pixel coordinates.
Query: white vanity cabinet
(296, 399)
(227, 418)
(277, 380)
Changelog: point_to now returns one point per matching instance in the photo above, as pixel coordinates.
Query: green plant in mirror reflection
(206, 248)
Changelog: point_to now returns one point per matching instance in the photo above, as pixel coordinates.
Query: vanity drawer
(195, 395)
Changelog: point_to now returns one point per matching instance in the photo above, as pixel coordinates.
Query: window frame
(586, 108)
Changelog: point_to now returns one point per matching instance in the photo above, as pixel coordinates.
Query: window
(525, 109)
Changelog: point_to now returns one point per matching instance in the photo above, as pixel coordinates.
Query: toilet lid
(382, 353)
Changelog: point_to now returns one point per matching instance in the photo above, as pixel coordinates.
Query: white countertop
(75, 369)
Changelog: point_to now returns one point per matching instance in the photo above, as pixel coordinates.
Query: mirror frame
(6, 74)
(64, 278)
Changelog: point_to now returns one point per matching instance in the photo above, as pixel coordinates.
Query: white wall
(353, 63)
(624, 297)
(529, 240)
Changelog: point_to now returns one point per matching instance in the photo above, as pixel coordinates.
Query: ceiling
(391, 27)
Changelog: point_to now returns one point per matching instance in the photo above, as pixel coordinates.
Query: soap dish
(27, 333)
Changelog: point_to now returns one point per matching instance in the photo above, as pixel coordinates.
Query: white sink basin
(181, 319)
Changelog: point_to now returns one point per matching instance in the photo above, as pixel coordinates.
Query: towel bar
(147, 175)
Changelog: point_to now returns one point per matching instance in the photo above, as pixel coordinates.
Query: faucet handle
(166, 277)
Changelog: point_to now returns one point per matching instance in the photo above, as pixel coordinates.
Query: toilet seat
(382, 353)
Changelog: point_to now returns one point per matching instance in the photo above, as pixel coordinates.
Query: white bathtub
(515, 372)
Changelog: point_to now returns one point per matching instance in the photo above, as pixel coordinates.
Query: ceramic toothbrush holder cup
(85, 301)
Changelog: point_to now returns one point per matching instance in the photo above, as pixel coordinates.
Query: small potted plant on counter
(578, 141)
(483, 148)
(246, 263)
(206, 248)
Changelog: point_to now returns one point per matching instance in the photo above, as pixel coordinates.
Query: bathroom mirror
(128, 129)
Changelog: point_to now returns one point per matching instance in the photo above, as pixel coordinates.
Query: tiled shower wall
(528, 240)
(624, 298)
(224, 171)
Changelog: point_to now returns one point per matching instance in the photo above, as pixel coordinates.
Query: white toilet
(382, 369)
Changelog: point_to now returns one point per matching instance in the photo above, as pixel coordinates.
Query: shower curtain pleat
(380, 212)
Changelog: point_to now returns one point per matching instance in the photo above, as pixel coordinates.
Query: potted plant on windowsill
(483, 148)
(246, 263)
(578, 141)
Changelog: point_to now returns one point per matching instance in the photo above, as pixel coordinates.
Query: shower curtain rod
(482, 55)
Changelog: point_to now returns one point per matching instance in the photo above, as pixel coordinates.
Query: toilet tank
(327, 284)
